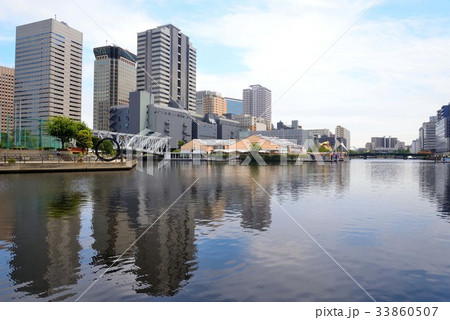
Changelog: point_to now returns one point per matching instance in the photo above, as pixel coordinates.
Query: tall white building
(48, 72)
(257, 102)
(167, 66)
(341, 132)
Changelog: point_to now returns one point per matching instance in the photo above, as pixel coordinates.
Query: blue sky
(385, 76)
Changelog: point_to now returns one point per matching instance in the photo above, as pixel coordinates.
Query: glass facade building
(114, 79)
(443, 130)
(234, 106)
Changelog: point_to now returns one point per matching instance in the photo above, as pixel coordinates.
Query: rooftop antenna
(55, 16)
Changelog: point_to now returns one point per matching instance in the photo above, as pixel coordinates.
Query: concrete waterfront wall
(65, 167)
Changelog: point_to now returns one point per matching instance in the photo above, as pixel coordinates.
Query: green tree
(180, 143)
(84, 139)
(323, 149)
(107, 149)
(95, 141)
(62, 127)
(80, 125)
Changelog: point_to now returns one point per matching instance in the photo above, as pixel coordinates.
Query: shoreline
(39, 167)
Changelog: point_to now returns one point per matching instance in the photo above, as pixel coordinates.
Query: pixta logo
(152, 152)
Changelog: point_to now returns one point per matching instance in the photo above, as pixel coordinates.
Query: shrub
(11, 161)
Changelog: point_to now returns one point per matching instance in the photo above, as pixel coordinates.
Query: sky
(377, 68)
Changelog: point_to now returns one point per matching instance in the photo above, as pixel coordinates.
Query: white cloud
(384, 77)
(98, 20)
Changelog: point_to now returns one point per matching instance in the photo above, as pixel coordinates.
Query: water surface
(225, 239)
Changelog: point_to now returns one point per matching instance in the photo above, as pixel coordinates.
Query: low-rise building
(385, 144)
(207, 145)
(253, 143)
(252, 123)
(296, 136)
(119, 120)
(234, 106)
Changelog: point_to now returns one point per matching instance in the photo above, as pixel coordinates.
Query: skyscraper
(443, 129)
(341, 132)
(427, 135)
(258, 102)
(48, 72)
(167, 66)
(114, 79)
(6, 98)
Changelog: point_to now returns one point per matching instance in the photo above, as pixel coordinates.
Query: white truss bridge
(145, 141)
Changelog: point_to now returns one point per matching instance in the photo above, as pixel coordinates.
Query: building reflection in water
(225, 190)
(45, 225)
(45, 260)
(124, 208)
(434, 184)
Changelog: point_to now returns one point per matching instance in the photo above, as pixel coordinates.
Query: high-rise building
(167, 64)
(341, 132)
(258, 102)
(114, 79)
(443, 130)
(234, 106)
(48, 72)
(415, 146)
(199, 99)
(427, 135)
(6, 98)
(214, 103)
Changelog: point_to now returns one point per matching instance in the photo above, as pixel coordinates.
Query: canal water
(239, 233)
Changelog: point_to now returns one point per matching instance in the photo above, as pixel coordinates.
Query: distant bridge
(146, 141)
(391, 155)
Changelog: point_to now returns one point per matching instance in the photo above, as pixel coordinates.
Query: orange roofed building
(255, 142)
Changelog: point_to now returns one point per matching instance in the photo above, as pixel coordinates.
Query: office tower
(427, 135)
(114, 79)
(214, 103)
(258, 102)
(6, 98)
(341, 132)
(167, 66)
(385, 144)
(199, 99)
(234, 106)
(48, 72)
(443, 130)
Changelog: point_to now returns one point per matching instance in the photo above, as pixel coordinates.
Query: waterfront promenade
(29, 161)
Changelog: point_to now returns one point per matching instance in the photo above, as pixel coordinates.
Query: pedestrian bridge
(146, 141)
